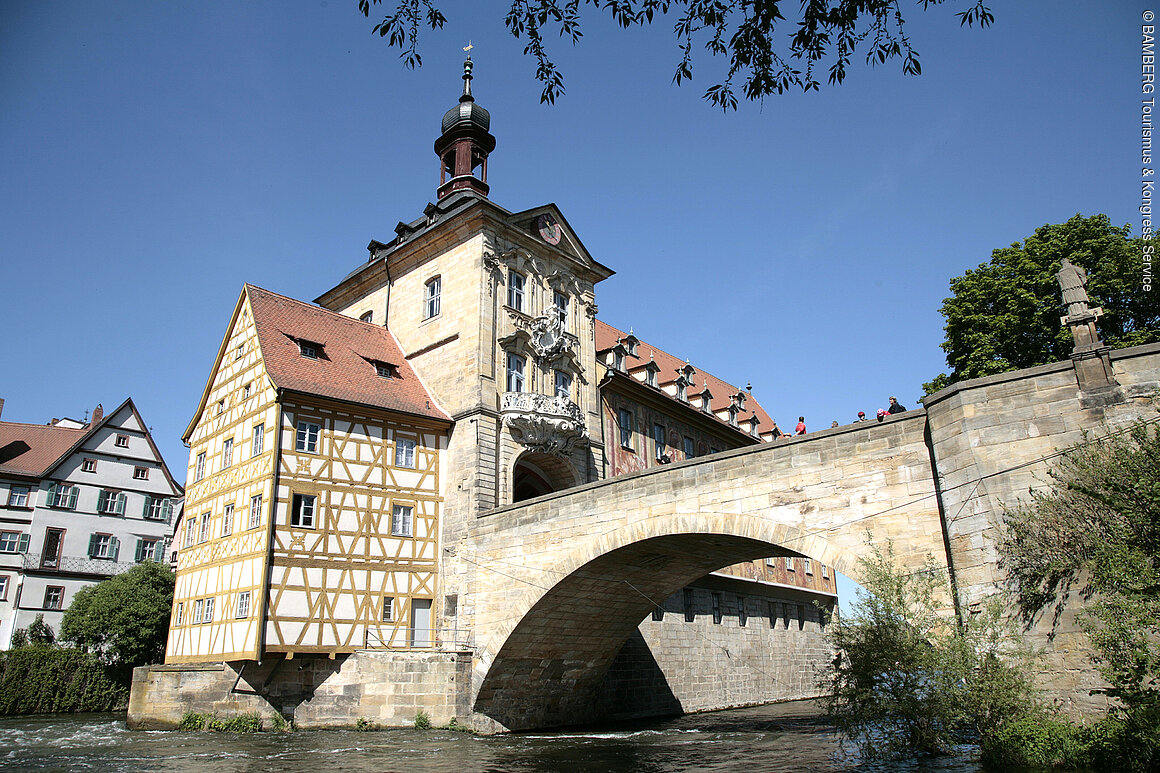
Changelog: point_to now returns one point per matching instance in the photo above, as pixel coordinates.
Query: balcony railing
(76, 565)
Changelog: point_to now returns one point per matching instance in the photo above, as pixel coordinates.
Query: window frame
(103, 546)
(140, 473)
(562, 378)
(689, 447)
(4, 587)
(199, 467)
(302, 436)
(228, 520)
(402, 526)
(405, 453)
(14, 541)
(516, 294)
(625, 421)
(304, 511)
(12, 495)
(88, 464)
(242, 606)
(562, 309)
(57, 599)
(388, 613)
(258, 439)
(203, 530)
(207, 613)
(121, 441)
(255, 512)
(433, 297)
(515, 366)
(227, 453)
(659, 442)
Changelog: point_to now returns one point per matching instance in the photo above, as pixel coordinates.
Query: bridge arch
(544, 664)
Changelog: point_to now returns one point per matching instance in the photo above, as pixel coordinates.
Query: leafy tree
(1004, 315)
(37, 634)
(908, 681)
(124, 619)
(1096, 530)
(745, 31)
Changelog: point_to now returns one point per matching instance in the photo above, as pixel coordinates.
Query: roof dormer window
(630, 344)
(385, 370)
(650, 373)
(308, 349)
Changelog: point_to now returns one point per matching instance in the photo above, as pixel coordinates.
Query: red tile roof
(607, 337)
(345, 367)
(31, 449)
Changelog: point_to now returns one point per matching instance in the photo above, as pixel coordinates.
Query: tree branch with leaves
(763, 58)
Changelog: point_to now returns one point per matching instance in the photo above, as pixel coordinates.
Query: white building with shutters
(79, 502)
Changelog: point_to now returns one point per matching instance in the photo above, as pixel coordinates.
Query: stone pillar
(1090, 357)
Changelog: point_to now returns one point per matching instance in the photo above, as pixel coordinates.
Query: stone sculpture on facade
(1092, 364)
(551, 425)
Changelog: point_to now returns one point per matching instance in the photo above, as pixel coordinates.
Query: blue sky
(156, 156)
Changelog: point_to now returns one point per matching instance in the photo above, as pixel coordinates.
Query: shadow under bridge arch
(550, 666)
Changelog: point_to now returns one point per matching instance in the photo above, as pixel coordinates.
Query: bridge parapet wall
(993, 439)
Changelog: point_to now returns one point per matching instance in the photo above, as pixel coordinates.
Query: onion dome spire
(465, 143)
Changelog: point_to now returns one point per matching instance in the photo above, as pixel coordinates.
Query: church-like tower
(464, 144)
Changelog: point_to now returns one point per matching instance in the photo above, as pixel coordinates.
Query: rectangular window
(563, 385)
(122, 441)
(111, 502)
(825, 572)
(809, 565)
(190, 532)
(258, 441)
(149, 550)
(228, 521)
(140, 473)
(203, 532)
(771, 561)
(742, 615)
(89, 465)
(690, 612)
(18, 496)
(431, 298)
(302, 510)
(384, 370)
(716, 609)
(255, 510)
(53, 597)
(401, 517)
(221, 406)
(179, 618)
(516, 291)
(307, 437)
(157, 509)
(9, 541)
(197, 607)
(306, 349)
(625, 417)
(561, 302)
(102, 546)
(789, 567)
(246, 390)
(3, 587)
(53, 541)
(208, 615)
(388, 609)
(515, 372)
(238, 351)
(659, 442)
(62, 496)
(199, 470)
(405, 453)
(227, 452)
(243, 608)
(690, 452)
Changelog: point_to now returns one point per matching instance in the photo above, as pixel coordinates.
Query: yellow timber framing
(326, 583)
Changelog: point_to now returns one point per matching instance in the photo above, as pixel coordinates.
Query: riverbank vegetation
(907, 681)
(108, 630)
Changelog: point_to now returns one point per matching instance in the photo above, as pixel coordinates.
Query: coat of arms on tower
(547, 336)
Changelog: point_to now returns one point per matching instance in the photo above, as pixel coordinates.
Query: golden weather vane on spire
(468, 47)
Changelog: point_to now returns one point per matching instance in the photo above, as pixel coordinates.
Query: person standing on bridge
(862, 416)
(801, 426)
(895, 406)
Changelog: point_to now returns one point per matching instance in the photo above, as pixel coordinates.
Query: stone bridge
(561, 582)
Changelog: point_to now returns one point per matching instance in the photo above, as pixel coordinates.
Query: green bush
(1035, 740)
(422, 720)
(249, 722)
(42, 680)
(192, 721)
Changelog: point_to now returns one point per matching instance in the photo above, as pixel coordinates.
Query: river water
(782, 738)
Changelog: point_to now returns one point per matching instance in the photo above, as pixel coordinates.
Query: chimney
(1, 406)
(98, 414)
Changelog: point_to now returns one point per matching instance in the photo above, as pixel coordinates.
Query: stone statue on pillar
(1093, 366)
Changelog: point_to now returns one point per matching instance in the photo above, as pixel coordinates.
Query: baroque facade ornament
(550, 425)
